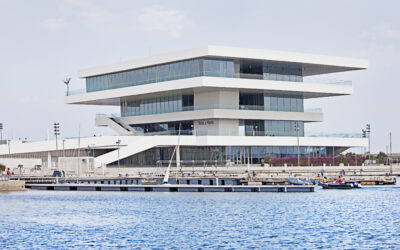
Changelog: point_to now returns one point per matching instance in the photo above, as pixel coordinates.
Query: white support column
(49, 161)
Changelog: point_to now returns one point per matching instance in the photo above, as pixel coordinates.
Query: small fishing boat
(299, 182)
(337, 185)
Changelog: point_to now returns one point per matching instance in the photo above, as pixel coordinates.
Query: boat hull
(337, 186)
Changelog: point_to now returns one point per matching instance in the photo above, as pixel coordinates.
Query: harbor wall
(12, 185)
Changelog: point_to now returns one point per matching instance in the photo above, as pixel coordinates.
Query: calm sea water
(365, 218)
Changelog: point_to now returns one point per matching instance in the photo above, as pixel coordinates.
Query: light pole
(66, 82)
(390, 157)
(57, 133)
(297, 127)
(368, 130)
(364, 135)
(118, 143)
(1, 133)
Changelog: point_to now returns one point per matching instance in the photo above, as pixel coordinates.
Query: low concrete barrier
(12, 186)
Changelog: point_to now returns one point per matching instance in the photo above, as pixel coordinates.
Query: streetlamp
(390, 156)
(368, 130)
(66, 82)
(1, 133)
(118, 143)
(364, 135)
(56, 132)
(297, 127)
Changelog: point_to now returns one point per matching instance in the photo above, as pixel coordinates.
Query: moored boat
(337, 185)
(299, 182)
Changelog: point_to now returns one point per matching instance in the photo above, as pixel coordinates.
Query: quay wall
(12, 185)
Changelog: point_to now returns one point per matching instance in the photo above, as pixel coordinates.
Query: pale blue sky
(42, 42)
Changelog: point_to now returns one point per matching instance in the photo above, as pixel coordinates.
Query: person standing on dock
(8, 172)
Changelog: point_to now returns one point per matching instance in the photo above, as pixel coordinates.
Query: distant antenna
(66, 82)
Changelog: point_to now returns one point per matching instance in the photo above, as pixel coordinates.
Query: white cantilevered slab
(112, 96)
(312, 64)
(216, 114)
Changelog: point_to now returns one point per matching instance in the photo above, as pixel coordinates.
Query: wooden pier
(173, 188)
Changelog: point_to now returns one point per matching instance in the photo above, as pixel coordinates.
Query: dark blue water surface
(359, 218)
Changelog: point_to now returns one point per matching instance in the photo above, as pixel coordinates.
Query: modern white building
(211, 104)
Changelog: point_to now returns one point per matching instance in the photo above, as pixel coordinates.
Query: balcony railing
(327, 81)
(247, 133)
(205, 107)
(337, 135)
(75, 92)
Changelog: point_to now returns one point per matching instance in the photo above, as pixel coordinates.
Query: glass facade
(283, 128)
(220, 68)
(251, 69)
(157, 105)
(254, 127)
(273, 128)
(283, 102)
(251, 127)
(282, 72)
(219, 154)
(177, 103)
(161, 73)
(251, 101)
(166, 128)
(271, 102)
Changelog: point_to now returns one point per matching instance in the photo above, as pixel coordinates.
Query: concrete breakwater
(12, 185)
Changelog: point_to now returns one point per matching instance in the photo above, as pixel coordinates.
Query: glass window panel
(179, 103)
(293, 104)
(287, 100)
(281, 127)
(170, 104)
(162, 104)
(155, 106)
(231, 67)
(280, 103)
(288, 127)
(224, 69)
(274, 103)
(300, 107)
(267, 102)
(150, 107)
(186, 71)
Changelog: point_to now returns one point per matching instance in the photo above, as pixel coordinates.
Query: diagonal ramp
(141, 144)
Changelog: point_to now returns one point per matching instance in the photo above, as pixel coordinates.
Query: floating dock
(173, 188)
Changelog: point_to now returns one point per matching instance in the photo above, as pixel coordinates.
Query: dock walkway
(173, 188)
